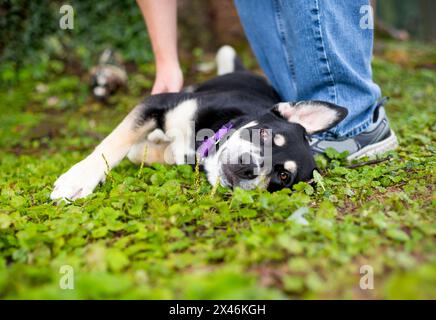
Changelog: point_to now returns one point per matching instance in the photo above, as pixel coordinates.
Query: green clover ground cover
(153, 233)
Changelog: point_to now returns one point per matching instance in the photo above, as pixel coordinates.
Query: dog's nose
(245, 168)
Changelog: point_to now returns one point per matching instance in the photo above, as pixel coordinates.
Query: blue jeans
(315, 49)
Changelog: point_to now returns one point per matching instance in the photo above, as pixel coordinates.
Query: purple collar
(207, 144)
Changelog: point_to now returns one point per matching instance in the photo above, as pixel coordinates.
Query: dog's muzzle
(244, 172)
(245, 169)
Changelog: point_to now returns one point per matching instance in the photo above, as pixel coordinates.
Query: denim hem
(337, 135)
(351, 133)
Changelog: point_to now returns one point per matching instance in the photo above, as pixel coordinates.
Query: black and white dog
(235, 125)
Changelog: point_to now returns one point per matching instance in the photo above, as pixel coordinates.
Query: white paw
(80, 180)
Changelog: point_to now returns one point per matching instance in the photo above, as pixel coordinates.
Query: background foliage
(152, 232)
(31, 34)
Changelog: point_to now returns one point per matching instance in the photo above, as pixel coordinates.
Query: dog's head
(273, 151)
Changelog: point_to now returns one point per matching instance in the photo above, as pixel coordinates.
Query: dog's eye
(284, 176)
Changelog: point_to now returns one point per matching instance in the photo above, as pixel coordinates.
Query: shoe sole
(388, 144)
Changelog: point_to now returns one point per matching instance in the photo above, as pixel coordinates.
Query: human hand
(169, 78)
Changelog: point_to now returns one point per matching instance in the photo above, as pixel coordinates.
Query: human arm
(161, 20)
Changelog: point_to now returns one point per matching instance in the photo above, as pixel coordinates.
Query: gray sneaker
(376, 139)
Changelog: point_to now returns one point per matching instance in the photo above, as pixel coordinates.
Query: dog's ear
(314, 116)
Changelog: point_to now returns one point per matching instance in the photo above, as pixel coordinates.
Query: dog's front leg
(83, 177)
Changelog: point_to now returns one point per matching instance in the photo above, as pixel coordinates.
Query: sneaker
(376, 139)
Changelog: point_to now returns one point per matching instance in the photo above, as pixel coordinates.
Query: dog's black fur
(240, 97)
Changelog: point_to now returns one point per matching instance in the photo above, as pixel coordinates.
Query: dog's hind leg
(155, 148)
(227, 61)
(83, 177)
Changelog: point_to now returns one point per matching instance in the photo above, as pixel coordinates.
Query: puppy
(234, 125)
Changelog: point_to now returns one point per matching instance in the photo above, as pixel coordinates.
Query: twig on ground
(144, 156)
(197, 174)
(215, 187)
(108, 169)
(367, 163)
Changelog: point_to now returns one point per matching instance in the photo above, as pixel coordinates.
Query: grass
(153, 233)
